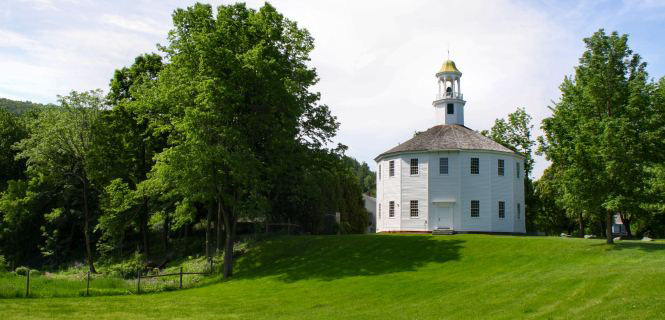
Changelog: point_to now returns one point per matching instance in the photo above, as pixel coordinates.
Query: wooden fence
(139, 276)
(181, 273)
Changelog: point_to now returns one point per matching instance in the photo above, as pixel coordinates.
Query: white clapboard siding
(456, 189)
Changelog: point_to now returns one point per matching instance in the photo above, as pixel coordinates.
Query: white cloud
(15, 40)
(377, 63)
(648, 4)
(376, 59)
(138, 24)
(40, 4)
(47, 5)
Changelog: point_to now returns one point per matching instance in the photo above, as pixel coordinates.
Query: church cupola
(449, 103)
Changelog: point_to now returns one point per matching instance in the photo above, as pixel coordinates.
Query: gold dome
(449, 66)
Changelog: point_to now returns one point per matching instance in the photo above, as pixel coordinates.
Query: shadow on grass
(644, 246)
(335, 257)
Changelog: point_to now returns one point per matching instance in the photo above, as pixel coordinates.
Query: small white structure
(618, 228)
(450, 177)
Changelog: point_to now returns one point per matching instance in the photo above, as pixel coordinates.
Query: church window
(519, 211)
(391, 168)
(391, 209)
(475, 166)
(414, 166)
(475, 208)
(379, 172)
(501, 167)
(443, 165)
(502, 209)
(379, 211)
(517, 169)
(451, 108)
(414, 208)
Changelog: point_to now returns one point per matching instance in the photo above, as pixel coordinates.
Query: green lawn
(404, 277)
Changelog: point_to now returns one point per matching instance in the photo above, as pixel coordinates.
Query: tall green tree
(20, 205)
(596, 131)
(548, 213)
(59, 148)
(132, 134)
(655, 170)
(12, 130)
(237, 95)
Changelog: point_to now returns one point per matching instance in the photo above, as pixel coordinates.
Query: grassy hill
(404, 277)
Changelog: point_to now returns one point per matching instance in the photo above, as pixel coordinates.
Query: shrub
(22, 271)
(129, 268)
(35, 272)
(3, 264)
(241, 247)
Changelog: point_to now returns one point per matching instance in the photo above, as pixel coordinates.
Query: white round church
(450, 178)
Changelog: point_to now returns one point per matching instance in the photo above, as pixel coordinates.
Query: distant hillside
(366, 177)
(18, 107)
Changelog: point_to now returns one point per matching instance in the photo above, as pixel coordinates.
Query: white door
(444, 217)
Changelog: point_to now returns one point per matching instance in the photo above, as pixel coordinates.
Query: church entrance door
(444, 216)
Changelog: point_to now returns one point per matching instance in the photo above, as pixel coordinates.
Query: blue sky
(376, 59)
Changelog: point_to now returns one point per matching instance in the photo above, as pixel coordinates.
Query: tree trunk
(86, 227)
(626, 224)
(580, 218)
(70, 239)
(230, 228)
(122, 244)
(144, 227)
(218, 224)
(608, 227)
(211, 208)
(144, 207)
(165, 235)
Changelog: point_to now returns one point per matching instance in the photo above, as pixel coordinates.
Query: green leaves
(62, 138)
(600, 134)
(12, 130)
(515, 134)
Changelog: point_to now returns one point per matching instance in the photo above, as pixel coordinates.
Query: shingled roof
(448, 137)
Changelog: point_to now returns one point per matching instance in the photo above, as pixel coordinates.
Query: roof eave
(385, 154)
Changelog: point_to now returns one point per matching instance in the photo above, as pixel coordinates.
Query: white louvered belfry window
(443, 165)
(391, 168)
(475, 208)
(502, 209)
(501, 166)
(379, 172)
(475, 166)
(391, 209)
(414, 208)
